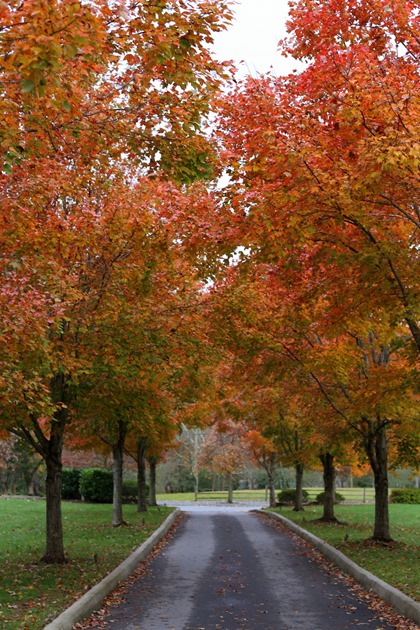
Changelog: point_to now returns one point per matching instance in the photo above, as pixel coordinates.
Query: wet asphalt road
(230, 570)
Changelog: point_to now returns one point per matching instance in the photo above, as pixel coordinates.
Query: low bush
(96, 485)
(70, 480)
(288, 495)
(405, 495)
(130, 491)
(338, 498)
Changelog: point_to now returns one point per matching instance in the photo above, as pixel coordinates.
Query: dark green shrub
(130, 491)
(338, 497)
(365, 481)
(70, 480)
(204, 481)
(288, 495)
(405, 495)
(96, 485)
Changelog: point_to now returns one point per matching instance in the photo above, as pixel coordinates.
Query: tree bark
(329, 487)
(118, 465)
(298, 506)
(376, 446)
(29, 476)
(271, 490)
(269, 463)
(54, 545)
(152, 485)
(51, 450)
(230, 487)
(141, 474)
(415, 331)
(195, 487)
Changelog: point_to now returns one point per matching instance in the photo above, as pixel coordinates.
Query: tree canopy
(139, 290)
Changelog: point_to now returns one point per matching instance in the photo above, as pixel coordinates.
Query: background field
(358, 495)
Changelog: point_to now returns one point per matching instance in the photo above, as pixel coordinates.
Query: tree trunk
(141, 475)
(415, 331)
(52, 451)
(152, 489)
(118, 465)
(195, 487)
(29, 477)
(54, 545)
(270, 468)
(329, 487)
(376, 446)
(298, 506)
(230, 487)
(272, 490)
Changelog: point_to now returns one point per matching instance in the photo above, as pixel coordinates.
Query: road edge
(91, 600)
(404, 604)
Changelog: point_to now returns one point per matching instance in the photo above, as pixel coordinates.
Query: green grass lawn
(32, 592)
(397, 563)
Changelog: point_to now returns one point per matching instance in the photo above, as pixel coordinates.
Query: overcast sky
(253, 37)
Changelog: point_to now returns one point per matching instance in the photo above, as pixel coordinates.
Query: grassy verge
(32, 592)
(398, 563)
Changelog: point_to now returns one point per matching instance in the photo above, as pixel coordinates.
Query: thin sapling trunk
(141, 475)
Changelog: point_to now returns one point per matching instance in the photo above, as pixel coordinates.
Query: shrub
(70, 480)
(96, 485)
(288, 496)
(338, 497)
(405, 495)
(130, 491)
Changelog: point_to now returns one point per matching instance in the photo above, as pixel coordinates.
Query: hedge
(129, 491)
(405, 495)
(70, 480)
(320, 497)
(96, 485)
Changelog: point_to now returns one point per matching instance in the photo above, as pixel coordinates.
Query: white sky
(253, 37)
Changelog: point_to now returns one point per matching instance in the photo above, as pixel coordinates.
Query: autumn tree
(337, 388)
(323, 191)
(266, 455)
(328, 154)
(97, 97)
(223, 452)
(192, 446)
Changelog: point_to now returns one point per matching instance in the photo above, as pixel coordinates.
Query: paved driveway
(229, 569)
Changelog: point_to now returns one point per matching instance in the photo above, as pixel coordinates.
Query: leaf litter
(385, 612)
(118, 595)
